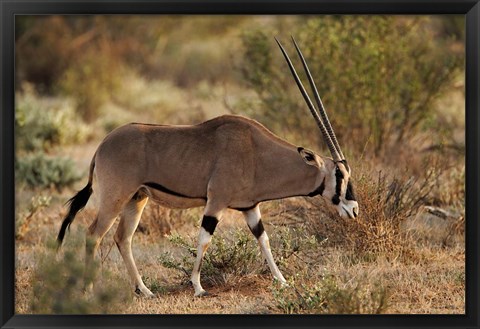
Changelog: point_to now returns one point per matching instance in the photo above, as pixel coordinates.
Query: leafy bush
(58, 287)
(377, 75)
(44, 38)
(239, 255)
(92, 81)
(223, 259)
(40, 170)
(42, 123)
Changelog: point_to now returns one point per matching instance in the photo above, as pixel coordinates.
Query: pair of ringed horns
(322, 122)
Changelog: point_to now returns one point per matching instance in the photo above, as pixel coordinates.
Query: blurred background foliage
(378, 75)
(393, 85)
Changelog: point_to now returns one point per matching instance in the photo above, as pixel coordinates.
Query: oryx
(227, 162)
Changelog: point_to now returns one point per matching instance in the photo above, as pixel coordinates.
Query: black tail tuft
(76, 203)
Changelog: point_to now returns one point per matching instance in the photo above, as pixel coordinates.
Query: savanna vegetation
(394, 90)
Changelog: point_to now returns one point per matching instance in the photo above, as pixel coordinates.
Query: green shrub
(42, 123)
(92, 81)
(377, 76)
(40, 170)
(58, 286)
(239, 254)
(224, 258)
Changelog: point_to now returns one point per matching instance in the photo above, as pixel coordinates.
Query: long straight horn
(315, 115)
(321, 109)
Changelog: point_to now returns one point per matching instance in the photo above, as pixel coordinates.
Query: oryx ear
(310, 157)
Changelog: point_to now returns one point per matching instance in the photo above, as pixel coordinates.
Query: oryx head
(334, 174)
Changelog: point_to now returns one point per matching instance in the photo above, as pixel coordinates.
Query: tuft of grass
(24, 220)
(386, 203)
(328, 295)
(154, 285)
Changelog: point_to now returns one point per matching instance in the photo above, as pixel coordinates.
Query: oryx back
(183, 166)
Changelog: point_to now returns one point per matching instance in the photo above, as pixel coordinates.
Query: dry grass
(430, 279)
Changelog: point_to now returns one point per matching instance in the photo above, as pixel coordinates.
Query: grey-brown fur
(227, 162)
(231, 158)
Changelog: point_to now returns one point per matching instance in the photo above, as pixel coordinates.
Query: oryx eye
(309, 157)
(338, 173)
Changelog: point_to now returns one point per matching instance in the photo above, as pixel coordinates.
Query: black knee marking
(209, 223)
(258, 229)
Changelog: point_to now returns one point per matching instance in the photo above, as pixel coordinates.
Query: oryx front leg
(254, 222)
(209, 223)
(129, 220)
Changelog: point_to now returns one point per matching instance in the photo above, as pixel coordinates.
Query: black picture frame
(10, 8)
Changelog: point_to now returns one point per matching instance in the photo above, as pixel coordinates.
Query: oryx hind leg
(211, 217)
(108, 211)
(129, 219)
(254, 222)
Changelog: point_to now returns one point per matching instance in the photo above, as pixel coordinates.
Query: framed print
(230, 164)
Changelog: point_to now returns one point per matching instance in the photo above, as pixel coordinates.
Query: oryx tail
(76, 203)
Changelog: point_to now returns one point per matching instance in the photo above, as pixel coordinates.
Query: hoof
(202, 293)
(282, 283)
(140, 293)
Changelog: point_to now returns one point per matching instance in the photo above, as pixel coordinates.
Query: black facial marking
(345, 163)
(319, 189)
(338, 185)
(258, 229)
(350, 194)
(336, 199)
(137, 290)
(209, 223)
